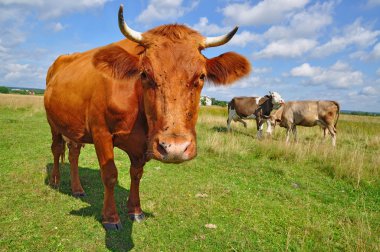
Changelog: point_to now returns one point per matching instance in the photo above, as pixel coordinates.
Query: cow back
(244, 106)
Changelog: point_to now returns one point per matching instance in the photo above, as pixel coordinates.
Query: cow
(140, 94)
(309, 114)
(258, 108)
(275, 118)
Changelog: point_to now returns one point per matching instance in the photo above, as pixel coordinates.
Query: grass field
(260, 195)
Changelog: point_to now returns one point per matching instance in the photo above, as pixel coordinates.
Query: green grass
(261, 195)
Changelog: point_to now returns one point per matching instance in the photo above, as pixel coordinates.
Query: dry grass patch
(21, 101)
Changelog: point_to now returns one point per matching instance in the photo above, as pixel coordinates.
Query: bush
(4, 90)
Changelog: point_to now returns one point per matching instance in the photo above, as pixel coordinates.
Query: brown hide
(309, 113)
(245, 106)
(142, 98)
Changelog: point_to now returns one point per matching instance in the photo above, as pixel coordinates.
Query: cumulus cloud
(57, 27)
(265, 12)
(339, 75)
(355, 34)
(306, 23)
(244, 38)
(287, 48)
(305, 70)
(17, 74)
(240, 39)
(52, 9)
(298, 32)
(373, 3)
(373, 54)
(369, 91)
(165, 10)
(205, 28)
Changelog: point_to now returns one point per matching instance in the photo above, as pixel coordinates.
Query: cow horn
(128, 32)
(221, 40)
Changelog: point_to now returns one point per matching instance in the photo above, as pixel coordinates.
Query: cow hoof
(79, 194)
(112, 226)
(137, 217)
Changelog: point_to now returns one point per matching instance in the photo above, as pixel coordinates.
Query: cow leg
(259, 126)
(57, 148)
(74, 152)
(229, 123)
(231, 114)
(244, 123)
(269, 128)
(104, 150)
(287, 135)
(136, 171)
(332, 131)
(294, 130)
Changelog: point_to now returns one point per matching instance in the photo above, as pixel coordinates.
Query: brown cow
(258, 108)
(141, 95)
(309, 114)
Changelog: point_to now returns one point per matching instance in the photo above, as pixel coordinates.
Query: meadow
(239, 194)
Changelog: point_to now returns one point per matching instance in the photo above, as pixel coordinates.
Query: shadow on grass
(120, 240)
(224, 130)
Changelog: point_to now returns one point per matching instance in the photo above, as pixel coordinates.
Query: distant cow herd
(141, 95)
(275, 111)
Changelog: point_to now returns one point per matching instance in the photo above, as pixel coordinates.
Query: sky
(301, 49)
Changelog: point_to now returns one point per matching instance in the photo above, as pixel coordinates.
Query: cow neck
(266, 106)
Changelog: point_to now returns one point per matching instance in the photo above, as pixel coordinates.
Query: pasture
(259, 195)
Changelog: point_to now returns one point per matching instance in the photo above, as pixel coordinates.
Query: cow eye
(147, 81)
(143, 75)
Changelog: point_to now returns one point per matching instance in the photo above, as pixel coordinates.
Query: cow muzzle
(173, 148)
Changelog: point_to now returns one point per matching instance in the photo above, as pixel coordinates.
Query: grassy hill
(259, 195)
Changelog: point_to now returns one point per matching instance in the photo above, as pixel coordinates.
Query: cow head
(277, 100)
(172, 72)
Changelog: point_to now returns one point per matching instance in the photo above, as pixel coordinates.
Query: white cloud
(262, 70)
(205, 28)
(369, 91)
(304, 24)
(53, 9)
(16, 73)
(287, 48)
(305, 70)
(244, 38)
(165, 10)
(265, 12)
(378, 72)
(375, 54)
(373, 3)
(240, 39)
(355, 34)
(339, 75)
(57, 27)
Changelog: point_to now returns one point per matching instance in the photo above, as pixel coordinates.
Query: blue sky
(302, 49)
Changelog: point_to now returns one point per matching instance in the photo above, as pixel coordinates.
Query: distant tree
(203, 101)
(4, 90)
(218, 103)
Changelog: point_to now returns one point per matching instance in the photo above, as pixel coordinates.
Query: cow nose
(175, 150)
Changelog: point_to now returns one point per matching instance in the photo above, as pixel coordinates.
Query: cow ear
(227, 68)
(115, 62)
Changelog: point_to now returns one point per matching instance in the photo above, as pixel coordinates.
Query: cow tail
(337, 118)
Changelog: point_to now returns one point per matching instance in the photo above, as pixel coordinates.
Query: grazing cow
(258, 108)
(309, 114)
(140, 94)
